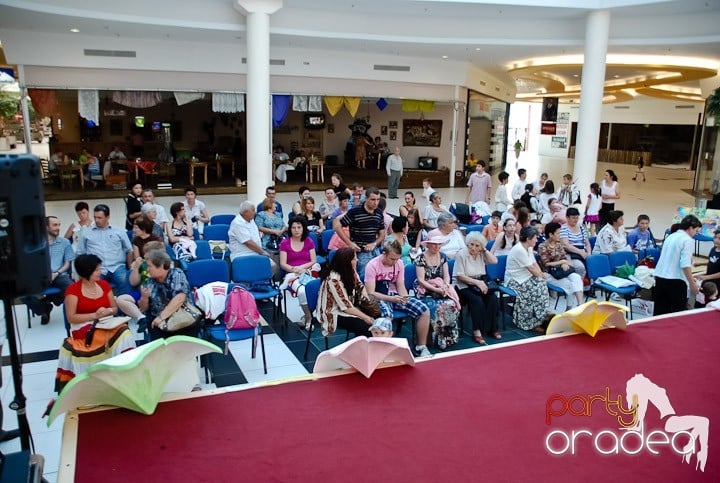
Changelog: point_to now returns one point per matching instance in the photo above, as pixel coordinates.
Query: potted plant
(518, 147)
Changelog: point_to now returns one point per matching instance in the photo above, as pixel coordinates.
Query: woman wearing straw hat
(433, 287)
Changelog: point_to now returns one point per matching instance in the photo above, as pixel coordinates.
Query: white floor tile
(274, 373)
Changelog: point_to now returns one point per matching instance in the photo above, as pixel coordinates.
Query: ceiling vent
(394, 68)
(109, 53)
(272, 61)
(684, 106)
(621, 107)
(483, 83)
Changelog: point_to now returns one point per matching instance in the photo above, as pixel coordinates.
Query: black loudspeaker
(427, 162)
(24, 256)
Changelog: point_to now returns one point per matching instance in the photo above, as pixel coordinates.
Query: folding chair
(217, 233)
(224, 219)
(254, 272)
(201, 272)
(496, 273)
(618, 259)
(202, 252)
(599, 266)
(217, 334)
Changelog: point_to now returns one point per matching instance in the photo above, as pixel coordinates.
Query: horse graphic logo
(640, 391)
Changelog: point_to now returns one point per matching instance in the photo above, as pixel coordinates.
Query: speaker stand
(18, 404)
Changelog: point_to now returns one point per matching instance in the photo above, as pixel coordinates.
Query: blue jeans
(118, 280)
(363, 258)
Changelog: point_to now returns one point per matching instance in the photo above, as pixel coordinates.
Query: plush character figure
(361, 140)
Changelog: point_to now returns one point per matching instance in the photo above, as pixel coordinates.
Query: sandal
(496, 335)
(479, 340)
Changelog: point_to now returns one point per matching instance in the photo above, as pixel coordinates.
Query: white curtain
(89, 105)
(138, 99)
(300, 103)
(307, 103)
(228, 102)
(183, 98)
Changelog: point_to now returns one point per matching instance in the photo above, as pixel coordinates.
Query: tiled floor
(658, 197)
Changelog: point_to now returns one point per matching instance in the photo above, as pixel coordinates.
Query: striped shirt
(61, 251)
(575, 239)
(364, 226)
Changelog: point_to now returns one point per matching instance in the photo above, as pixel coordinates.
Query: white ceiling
(486, 35)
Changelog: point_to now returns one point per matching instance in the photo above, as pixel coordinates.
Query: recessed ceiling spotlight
(444, 56)
(75, 30)
(616, 76)
(576, 75)
(477, 48)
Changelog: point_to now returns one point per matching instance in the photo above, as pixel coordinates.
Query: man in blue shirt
(641, 238)
(673, 272)
(61, 256)
(112, 246)
(271, 194)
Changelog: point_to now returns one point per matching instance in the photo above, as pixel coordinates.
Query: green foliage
(713, 103)
(9, 104)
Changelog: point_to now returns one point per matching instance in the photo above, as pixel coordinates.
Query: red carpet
(467, 418)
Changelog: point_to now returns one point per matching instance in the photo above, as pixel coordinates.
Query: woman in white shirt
(524, 276)
(610, 191)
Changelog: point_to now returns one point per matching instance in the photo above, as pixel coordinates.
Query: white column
(25, 110)
(258, 101)
(593, 79)
(457, 105)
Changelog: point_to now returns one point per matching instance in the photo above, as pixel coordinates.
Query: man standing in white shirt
(479, 185)
(673, 272)
(394, 169)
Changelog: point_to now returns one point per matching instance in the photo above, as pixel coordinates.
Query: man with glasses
(385, 279)
(367, 228)
(112, 246)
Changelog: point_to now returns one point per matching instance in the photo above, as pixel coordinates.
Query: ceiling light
(477, 48)
(75, 30)
(576, 75)
(616, 76)
(444, 56)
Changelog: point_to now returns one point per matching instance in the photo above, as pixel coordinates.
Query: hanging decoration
(228, 102)
(280, 108)
(183, 98)
(335, 103)
(44, 101)
(89, 105)
(138, 99)
(413, 105)
(381, 104)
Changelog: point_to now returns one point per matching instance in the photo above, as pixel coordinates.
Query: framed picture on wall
(393, 124)
(421, 132)
(393, 135)
(383, 130)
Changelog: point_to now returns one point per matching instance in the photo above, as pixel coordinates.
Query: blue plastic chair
(312, 291)
(472, 228)
(224, 219)
(325, 240)
(490, 244)
(400, 315)
(318, 248)
(45, 293)
(496, 273)
(618, 259)
(201, 272)
(216, 333)
(254, 272)
(699, 237)
(217, 232)
(203, 252)
(559, 292)
(592, 241)
(599, 266)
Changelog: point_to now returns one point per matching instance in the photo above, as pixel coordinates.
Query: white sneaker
(422, 351)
